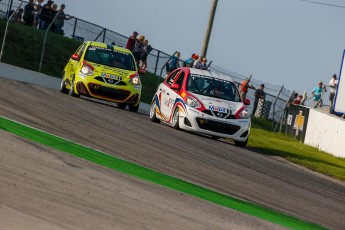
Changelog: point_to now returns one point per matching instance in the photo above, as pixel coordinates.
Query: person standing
(317, 94)
(29, 13)
(244, 88)
(132, 40)
(60, 19)
(333, 87)
(46, 15)
(259, 94)
(174, 62)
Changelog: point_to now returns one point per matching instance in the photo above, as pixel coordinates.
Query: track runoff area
(152, 176)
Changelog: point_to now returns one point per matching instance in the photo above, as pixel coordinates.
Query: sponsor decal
(111, 76)
(194, 110)
(183, 94)
(137, 87)
(218, 109)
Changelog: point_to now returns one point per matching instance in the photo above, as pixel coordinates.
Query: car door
(167, 95)
(172, 94)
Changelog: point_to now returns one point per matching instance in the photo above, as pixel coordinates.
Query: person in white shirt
(333, 87)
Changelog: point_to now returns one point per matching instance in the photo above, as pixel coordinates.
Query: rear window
(110, 57)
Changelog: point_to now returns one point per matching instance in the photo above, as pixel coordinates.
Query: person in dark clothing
(259, 94)
(29, 13)
(132, 40)
(46, 15)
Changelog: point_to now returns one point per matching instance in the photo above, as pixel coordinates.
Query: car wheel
(133, 108)
(153, 117)
(63, 85)
(121, 105)
(241, 143)
(175, 119)
(71, 90)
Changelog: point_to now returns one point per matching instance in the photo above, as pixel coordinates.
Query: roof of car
(105, 45)
(210, 74)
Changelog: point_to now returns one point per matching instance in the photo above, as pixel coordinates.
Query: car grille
(116, 94)
(220, 115)
(110, 81)
(216, 126)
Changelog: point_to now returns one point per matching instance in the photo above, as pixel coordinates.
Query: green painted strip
(152, 176)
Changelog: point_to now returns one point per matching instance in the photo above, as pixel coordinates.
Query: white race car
(204, 102)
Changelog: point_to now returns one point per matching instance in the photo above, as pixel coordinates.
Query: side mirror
(75, 57)
(175, 87)
(141, 71)
(246, 102)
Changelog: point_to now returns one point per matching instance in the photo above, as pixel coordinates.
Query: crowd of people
(41, 16)
(140, 48)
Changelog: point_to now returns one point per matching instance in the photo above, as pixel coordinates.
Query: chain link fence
(79, 30)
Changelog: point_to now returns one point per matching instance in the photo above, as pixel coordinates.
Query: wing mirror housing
(175, 87)
(75, 57)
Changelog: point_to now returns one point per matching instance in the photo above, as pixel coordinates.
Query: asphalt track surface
(42, 185)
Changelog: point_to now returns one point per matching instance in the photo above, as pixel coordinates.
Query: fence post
(105, 31)
(75, 27)
(274, 105)
(44, 42)
(156, 66)
(6, 29)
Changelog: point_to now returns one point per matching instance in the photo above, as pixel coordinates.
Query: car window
(213, 87)
(171, 78)
(110, 57)
(179, 81)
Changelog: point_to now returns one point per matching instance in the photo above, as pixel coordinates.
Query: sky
(295, 43)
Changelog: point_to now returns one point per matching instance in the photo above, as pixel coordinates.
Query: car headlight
(192, 102)
(244, 113)
(134, 79)
(86, 69)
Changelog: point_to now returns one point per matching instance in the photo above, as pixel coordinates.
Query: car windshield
(213, 87)
(110, 57)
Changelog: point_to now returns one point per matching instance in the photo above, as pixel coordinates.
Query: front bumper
(129, 94)
(196, 121)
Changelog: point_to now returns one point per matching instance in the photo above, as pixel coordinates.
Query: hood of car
(220, 105)
(108, 70)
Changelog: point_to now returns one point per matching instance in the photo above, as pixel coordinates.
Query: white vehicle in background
(204, 102)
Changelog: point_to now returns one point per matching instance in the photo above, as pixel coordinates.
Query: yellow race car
(105, 72)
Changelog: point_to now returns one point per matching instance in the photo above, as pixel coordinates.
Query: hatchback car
(105, 72)
(204, 102)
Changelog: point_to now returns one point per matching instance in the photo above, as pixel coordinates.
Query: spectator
(132, 40)
(298, 100)
(146, 52)
(190, 61)
(53, 13)
(174, 62)
(259, 94)
(244, 88)
(60, 19)
(29, 13)
(37, 16)
(333, 87)
(203, 62)
(198, 63)
(46, 15)
(17, 15)
(139, 48)
(317, 93)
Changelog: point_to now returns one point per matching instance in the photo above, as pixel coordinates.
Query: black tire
(71, 90)
(121, 105)
(175, 119)
(133, 108)
(63, 85)
(153, 117)
(241, 143)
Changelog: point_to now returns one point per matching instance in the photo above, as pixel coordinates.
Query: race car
(103, 71)
(204, 102)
